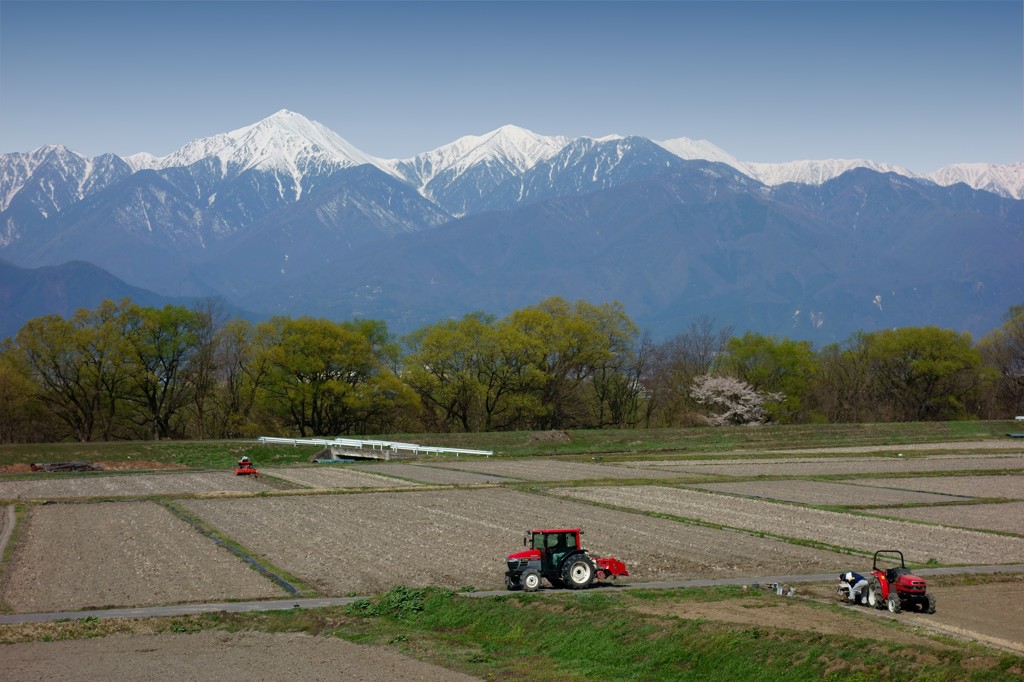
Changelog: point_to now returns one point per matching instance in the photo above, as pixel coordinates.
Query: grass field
(609, 444)
(638, 636)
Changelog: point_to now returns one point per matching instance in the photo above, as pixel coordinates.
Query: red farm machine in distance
(558, 555)
(245, 467)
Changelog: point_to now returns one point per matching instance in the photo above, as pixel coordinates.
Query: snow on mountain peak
(285, 142)
(517, 148)
(816, 172)
(1004, 179)
(702, 150)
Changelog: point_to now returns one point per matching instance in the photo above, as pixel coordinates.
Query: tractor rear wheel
(530, 580)
(894, 603)
(578, 572)
(930, 606)
(875, 594)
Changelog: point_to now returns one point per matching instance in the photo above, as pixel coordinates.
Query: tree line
(123, 371)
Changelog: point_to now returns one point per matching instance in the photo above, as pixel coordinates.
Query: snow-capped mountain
(76, 176)
(1003, 179)
(702, 150)
(285, 144)
(456, 175)
(816, 172)
(285, 216)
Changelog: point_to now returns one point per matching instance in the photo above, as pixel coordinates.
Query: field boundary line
(231, 547)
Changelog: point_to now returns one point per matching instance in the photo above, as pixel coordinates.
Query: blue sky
(918, 84)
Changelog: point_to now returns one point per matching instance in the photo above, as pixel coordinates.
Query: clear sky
(918, 84)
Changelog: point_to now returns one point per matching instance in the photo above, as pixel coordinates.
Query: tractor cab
(553, 546)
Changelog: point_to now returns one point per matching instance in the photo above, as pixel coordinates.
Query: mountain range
(286, 217)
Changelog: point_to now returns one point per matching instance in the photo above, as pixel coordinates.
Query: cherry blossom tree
(732, 401)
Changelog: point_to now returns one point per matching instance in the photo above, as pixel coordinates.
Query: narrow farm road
(320, 602)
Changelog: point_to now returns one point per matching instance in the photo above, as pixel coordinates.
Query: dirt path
(212, 655)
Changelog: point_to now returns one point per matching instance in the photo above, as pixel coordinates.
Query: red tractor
(896, 588)
(559, 556)
(245, 467)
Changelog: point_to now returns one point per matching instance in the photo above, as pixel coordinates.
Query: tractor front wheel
(894, 603)
(930, 606)
(578, 573)
(530, 580)
(512, 584)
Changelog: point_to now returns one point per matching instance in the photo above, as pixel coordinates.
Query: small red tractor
(245, 467)
(896, 588)
(558, 555)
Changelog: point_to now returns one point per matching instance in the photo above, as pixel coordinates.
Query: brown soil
(788, 613)
(987, 613)
(330, 476)
(554, 470)
(821, 493)
(212, 655)
(127, 485)
(106, 465)
(817, 466)
(74, 556)
(1010, 486)
(365, 543)
(1008, 516)
(918, 542)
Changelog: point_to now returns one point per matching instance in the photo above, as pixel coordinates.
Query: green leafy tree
(23, 417)
(923, 373)
(326, 379)
(1003, 351)
(568, 345)
(771, 365)
(60, 355)
(161, 347)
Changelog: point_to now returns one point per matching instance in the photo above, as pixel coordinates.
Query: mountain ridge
(286, 217)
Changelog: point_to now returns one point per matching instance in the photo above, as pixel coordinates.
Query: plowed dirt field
(817, 466)
(432, 474)
(1007, 517)
(364, 543)
(918, 542)
(1010, 486)
(553, 470)
(329, 476)
(128, 485)
(76, 556)
(825, 493)
(222, 656)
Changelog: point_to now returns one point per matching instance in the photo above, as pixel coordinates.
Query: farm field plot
(918, 542)
(212, 655)
(365, 543)
(426, 473)
(127, 485)
(1007, 517)
(334, 476)
(75, 556)
(817, 466)
(553, 470)
(1010, 486)
(824, 492)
